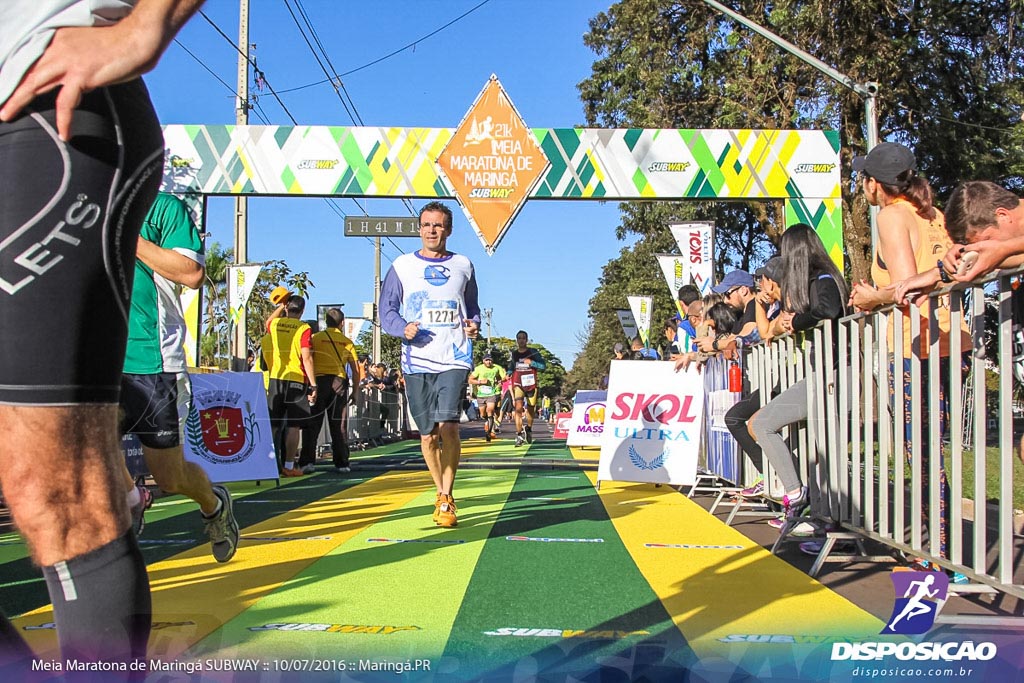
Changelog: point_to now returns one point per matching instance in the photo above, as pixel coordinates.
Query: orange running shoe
(437, 506)
(446, 512)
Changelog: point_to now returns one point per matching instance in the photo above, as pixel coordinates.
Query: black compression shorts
(149, 408)
(70, 215)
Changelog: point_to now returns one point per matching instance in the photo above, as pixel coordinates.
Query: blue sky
(546, 268)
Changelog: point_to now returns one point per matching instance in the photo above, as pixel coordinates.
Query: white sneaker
(342, 469)
(309, 469)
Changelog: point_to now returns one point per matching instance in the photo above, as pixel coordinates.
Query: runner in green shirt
(487, 378)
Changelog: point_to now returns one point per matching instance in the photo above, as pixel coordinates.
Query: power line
(256, 69)
(346, 99)
(316, 56)
(263, 76)
(392, 54)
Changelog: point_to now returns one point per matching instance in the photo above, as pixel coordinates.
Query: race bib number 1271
(439, 314)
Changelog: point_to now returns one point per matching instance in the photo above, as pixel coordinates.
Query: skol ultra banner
(696, 241)
(628, 323)
(492, 163)
(641, 308)
(587, 423)
(241, 280)
(652, 423)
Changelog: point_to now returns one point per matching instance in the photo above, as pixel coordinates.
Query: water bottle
(735, 378)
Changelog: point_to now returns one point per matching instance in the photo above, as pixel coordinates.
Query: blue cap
(735, 278)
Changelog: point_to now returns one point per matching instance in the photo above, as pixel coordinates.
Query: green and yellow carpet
(546, 577)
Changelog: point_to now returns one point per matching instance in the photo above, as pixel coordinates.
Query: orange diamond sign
(492, 163)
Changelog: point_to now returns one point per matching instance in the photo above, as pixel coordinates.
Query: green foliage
(215, 343)
(390, 347)
(950, 87)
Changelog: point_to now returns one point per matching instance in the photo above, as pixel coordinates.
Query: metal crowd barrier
(851, 450)
(376, 417)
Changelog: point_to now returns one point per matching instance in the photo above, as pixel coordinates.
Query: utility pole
(239, 343)
(487, 316)
(376, 302)
(869, 90)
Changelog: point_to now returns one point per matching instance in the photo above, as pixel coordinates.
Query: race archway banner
(491, 167)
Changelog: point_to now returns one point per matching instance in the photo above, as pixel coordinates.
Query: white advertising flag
(696, 241)
(354, 327)
(641, 307)
(241, 280)
(628, 323)
(674, 269)
(652, 428)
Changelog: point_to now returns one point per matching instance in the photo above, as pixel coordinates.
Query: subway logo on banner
(491, 192)
(814, 168)
(668, 166)
(317, 164)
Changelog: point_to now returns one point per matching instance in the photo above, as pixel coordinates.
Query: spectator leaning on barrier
(769, 325)
(737, 288)
(812, 290)
(988, 220)
(691, 305)
(672, 348)
(768, 298)
(911, 239)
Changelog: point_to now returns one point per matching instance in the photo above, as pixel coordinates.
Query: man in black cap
(738, 289)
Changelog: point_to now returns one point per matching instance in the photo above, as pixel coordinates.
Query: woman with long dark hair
(812, 290)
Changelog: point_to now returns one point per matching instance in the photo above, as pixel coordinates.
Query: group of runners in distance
(499, 392)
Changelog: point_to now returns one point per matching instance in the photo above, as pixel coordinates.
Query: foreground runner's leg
(92, 564)
(85, 201)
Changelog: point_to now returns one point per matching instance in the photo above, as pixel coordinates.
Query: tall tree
(216, 328)
(215, 292)
(949, 82)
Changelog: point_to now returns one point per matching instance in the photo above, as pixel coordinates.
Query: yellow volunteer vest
(281, 349)
(332, 351)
